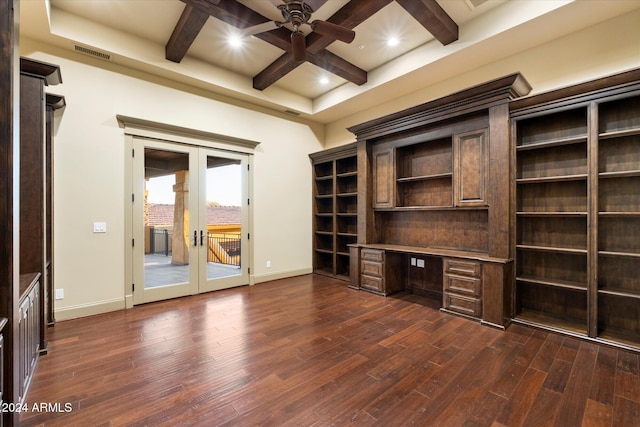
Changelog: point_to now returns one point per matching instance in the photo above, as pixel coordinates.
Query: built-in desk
(470, 284)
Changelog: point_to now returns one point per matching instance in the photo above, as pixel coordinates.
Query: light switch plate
(99, 227)
(420, 263)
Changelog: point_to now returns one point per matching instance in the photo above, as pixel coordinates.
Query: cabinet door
(383, 178)
(470, 168)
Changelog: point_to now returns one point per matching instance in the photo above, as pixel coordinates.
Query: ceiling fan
(298, 13)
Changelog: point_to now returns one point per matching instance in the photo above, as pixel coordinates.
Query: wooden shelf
(619, 254)
(553, 283)
(553, 143)
(424, 177)
(619, 133)
(559, 178)
(347, 234)
(619, 214)
(432, 208)
(619, 293)
(347, 174)
(554, 323)
(335, 203)
(596, 180)
(552, 249)
(551, 214)
(621, 174)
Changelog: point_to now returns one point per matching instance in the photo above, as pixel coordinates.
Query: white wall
(600, 50)
(90, 169)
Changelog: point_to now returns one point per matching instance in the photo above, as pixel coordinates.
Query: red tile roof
(163, 215)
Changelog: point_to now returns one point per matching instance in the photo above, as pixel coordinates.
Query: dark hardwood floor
(308, 351)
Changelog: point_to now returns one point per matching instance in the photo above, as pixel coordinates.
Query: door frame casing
(134, 127)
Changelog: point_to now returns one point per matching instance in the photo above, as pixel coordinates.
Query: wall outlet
(99, 227)
(59, 293)
(268, 264)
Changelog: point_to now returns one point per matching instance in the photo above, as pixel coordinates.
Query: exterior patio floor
(158, 271)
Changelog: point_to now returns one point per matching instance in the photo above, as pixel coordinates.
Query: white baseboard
(260, 278)
(84, 310)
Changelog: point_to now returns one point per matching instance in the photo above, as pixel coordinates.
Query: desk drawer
(462, 304)
(463, 267)
(372, 254)
(372, 283)
(463, 285)
(372, 268)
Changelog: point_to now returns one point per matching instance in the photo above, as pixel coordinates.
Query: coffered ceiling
(188, 41)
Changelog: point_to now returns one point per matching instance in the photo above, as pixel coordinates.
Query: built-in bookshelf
(335, 209)
(577, 212)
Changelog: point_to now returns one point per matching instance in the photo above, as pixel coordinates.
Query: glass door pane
(223, 216)
(165, 260)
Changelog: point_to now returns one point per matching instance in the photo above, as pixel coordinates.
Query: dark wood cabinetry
(379, 271)
(335, 209)
(29, 330)
(26, 225)
(426, 196)
(577, 241)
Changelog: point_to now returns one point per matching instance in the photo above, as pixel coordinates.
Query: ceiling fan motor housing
(296, 12)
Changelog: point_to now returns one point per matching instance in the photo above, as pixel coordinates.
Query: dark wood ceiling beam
(315, 4)
(349, 16)
(338, 66)
(433, 18)
(275, 71)
(240, 16)
(185, 32)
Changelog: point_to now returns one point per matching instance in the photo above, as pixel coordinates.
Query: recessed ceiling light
(393, 41)
(324, 80)
(235, 40)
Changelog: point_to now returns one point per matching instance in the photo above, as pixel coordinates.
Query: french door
(189, 220)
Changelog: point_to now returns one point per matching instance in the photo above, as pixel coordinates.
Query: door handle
(195, 237)
(201, 238)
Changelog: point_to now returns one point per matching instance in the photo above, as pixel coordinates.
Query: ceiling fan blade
(298, 46)
(333, 31)
(260, 28)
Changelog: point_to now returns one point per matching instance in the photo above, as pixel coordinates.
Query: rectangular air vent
(294, 113)
(92, 52)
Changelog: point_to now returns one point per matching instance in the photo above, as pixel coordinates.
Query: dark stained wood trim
(335, 153)
(9, 190)
(433, 18)
(50, 73)
(349, 16)
(275, 71)
(315, 4)
(569, 95)
(476, 98)
(427, 12)
(185, 32)
(338, 66)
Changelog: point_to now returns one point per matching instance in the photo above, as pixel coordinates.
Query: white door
(189, 216)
